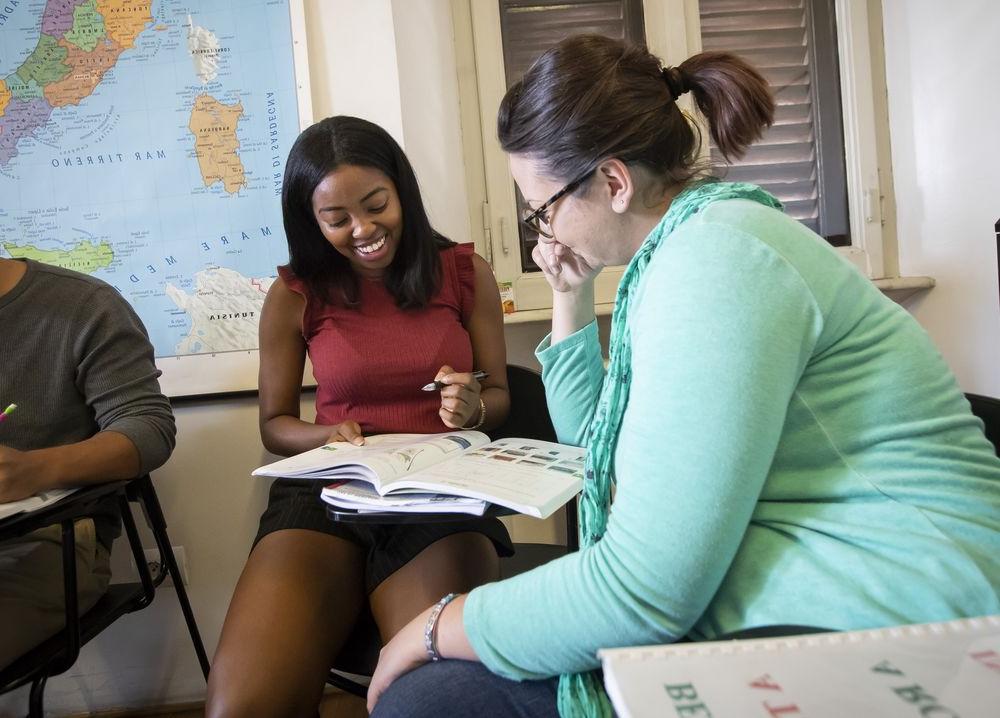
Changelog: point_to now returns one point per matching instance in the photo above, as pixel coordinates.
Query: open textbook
(531, 477)
(949, 669)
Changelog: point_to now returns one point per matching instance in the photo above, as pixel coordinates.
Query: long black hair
(415, 272)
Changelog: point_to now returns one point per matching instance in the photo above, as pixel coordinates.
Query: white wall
(393, 62)
(428, 90)
(352, 61)
(944, 111)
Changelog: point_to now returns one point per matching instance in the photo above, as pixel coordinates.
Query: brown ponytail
(591, 98)
(732, 96)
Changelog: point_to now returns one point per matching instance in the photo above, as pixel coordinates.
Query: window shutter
(790, 161)
(530, 28)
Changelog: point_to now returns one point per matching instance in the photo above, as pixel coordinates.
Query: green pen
(7, 412)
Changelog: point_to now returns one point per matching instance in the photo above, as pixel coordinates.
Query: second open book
(528, 476)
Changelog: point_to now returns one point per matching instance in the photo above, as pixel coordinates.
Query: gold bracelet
(482, 415)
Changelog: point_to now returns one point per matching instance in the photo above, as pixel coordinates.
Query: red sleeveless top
(370, 362)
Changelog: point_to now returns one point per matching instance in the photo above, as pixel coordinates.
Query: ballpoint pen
(438, 386)
(9, 410)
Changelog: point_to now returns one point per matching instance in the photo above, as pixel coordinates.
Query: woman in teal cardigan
(786, 444)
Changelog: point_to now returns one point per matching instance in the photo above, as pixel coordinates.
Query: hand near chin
(564, 269)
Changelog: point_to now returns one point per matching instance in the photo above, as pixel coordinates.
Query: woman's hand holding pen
(460, 404)
(459, 398)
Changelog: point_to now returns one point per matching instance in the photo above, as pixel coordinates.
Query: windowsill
(898, 289)
(544, 315)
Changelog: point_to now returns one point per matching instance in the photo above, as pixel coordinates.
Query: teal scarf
(581, 694)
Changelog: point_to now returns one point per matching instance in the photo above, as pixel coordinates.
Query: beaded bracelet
(430, 628)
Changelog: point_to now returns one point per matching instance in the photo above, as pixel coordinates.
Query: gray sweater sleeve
(116, 375)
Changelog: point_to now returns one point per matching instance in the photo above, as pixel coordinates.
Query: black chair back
(988, 409)
(529, 414)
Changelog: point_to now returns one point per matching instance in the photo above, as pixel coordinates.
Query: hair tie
(676, 81)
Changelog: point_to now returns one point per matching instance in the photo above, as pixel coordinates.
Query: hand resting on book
(349, 431)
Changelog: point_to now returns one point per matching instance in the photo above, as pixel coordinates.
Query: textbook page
(382, 458)
(948, 670)
(528, 476)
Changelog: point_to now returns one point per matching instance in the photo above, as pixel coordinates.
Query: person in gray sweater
(77, 361)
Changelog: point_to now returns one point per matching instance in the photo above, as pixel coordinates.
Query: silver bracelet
(482, 415)
(430, 628)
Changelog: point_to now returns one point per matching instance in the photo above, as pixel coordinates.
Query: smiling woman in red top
(382, 304)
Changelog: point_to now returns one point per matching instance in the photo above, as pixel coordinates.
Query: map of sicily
(143, 142)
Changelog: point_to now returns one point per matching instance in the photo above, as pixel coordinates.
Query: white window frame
(493, 208)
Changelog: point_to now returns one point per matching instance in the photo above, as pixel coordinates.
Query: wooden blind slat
(771, 34)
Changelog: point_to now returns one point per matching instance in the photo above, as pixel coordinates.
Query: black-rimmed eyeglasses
(534, 220)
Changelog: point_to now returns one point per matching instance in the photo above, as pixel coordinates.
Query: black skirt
(296, 505)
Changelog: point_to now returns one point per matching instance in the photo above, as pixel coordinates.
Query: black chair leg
(138, 554)
(36, 699)
(572, 530)
(72, 630)
(70, 598)
(182, 598)
(158, 524)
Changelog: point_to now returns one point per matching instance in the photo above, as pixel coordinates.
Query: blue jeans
(465, 689)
